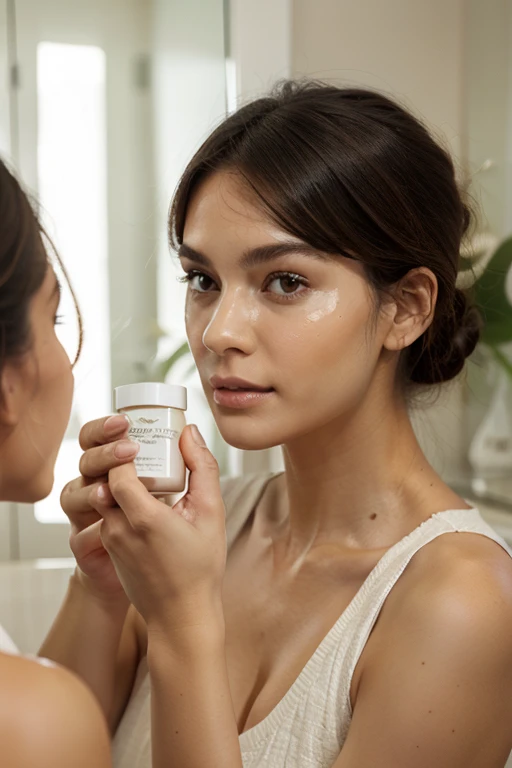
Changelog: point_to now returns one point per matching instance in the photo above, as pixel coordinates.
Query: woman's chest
(275, 622)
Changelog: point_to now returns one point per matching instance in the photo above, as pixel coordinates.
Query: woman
(48, 718)
(353, 625)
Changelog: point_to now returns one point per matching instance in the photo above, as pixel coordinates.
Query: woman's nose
(232, 324)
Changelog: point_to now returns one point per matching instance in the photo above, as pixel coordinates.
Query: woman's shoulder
(242, 492)
(241, 496)
(448, 616)
(48, 717)
(239, 486)
(436, 673)
(463, 560)
(458, 583)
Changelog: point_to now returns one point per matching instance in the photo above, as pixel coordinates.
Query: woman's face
(39, 392)
(284, 337)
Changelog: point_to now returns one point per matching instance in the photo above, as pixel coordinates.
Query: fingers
(203, 491)
(97, 461)
(133, 497)
(83, 543)
(95, 542)
(204, 484)
(102, 431)
(78, 500)
(115, 530)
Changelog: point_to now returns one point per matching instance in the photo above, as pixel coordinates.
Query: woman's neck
(361, 481)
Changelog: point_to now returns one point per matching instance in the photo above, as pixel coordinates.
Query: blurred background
(102, 103)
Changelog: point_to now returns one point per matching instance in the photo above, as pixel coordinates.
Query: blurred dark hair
(23, 265)
(350, 172)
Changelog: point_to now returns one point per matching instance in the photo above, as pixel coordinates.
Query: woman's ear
(12, 393)
(414, 298)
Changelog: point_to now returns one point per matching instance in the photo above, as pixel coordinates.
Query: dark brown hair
(23, 266)
(350, 172)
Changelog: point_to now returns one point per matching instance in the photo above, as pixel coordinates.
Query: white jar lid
(146, 394)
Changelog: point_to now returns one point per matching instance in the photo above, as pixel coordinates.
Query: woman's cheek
(193, 327)
(325, 304)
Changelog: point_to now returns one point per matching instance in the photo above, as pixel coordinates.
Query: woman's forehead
(224, 204)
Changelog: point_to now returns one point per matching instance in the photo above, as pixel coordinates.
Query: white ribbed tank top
(309, 725)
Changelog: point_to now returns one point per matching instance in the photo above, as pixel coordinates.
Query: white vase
(490, 452)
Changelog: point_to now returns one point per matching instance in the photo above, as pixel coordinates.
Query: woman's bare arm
(192, 711)
(94, 633)
(49, 719)
(171, 563)
(98, 641)
(436, 688)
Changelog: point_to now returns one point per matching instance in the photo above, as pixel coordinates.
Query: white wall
(415, 52)
(260, 45)
(489, 108)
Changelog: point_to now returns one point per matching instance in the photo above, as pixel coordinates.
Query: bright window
(72, 178)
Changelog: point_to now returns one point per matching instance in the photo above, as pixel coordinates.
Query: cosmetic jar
(156, 413)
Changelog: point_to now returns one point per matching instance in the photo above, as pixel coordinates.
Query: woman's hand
(170, 560)
(105, 446)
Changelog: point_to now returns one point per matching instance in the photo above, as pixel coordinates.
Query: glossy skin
(261, 324)
(356, 482)
(47, 716)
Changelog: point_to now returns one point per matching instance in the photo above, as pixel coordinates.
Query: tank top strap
(363, 612)
(241, 496)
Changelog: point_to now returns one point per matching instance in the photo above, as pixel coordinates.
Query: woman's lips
(232, 392)
(240, 398)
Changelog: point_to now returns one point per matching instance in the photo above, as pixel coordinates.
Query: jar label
(157, 431)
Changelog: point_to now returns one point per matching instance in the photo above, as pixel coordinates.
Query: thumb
(204, 483)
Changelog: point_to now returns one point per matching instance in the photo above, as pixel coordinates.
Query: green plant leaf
(491, 297)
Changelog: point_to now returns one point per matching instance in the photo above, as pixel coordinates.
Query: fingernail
(102, 493)
(197, 436)
(126, 448)
(115, 424)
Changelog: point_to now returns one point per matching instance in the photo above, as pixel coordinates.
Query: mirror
(107, 102)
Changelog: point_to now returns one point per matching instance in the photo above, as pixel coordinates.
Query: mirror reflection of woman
(48, 717)
(363, 615)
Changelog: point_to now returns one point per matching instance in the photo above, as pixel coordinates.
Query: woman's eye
(286, 284)
(58, 320)
(199, 282)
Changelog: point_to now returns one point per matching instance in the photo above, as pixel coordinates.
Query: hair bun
(442, 352)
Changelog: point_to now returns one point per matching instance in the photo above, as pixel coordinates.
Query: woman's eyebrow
(186, 252)
(265, 253)
(260, 255)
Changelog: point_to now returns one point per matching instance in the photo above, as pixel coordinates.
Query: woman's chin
(244, 440)
(37, 489)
